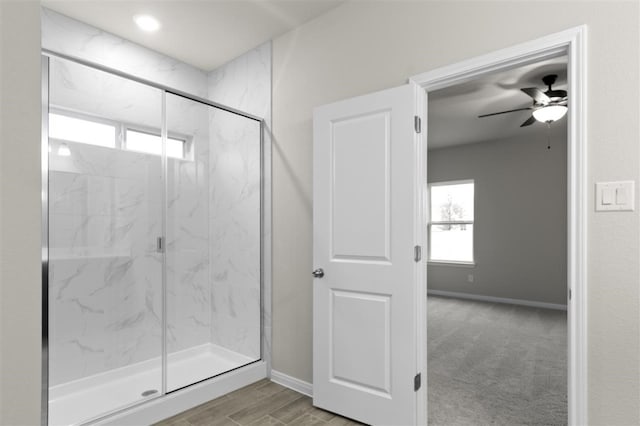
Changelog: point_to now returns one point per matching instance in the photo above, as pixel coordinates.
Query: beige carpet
(496, 364)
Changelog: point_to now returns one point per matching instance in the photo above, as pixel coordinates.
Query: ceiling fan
(547, 106)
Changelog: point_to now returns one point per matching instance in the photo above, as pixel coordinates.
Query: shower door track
(154, 84)
(46, 54)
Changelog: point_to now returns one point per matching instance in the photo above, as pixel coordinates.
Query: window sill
(451, 263)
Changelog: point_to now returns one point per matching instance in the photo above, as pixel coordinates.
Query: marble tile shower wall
(77, 39)
(245, 84)
(81, 90)
(187, 245)
(105, 277)
(235, 233)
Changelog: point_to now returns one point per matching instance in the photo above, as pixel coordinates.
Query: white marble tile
(188, 299)
(235, 203)
(188, 287)
(69, 36)
(100, 317)
(245, 82)
(85, 91)
(105, 291)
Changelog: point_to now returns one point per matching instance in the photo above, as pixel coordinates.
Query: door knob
(318, 273)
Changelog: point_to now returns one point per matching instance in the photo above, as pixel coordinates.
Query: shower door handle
(318, 273)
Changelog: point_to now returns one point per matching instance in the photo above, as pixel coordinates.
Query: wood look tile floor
(261, 403)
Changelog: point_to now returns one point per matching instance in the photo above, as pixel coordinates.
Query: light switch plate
(615, 196)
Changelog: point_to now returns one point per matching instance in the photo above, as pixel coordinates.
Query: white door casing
(365, 318)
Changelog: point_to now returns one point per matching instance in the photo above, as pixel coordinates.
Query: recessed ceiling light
(147, 22)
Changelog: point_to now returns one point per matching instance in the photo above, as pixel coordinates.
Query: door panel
(365, 316)
(361, 361)
(360, 199)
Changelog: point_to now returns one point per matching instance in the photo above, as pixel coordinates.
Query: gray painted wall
(520, 229)
(20, 208)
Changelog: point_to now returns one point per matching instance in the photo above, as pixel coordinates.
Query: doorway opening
(567, 47)
(497, 254)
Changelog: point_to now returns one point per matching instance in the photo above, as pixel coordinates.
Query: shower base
(91, 397)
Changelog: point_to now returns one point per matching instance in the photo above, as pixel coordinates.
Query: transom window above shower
(151, 143)
(71, 127)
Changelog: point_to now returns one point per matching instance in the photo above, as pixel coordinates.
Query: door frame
(571, 42)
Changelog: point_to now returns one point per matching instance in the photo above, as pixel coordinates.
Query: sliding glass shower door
(213, 242)
(105, 215)
(154, 217)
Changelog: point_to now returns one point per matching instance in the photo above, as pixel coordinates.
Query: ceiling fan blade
(529, 122)
(504, 112)
(537, 95)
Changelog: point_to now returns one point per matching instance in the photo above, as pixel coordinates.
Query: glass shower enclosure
(153, 204)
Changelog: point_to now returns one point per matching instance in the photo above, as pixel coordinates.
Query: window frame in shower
(67, 113)
(186, 140)
(120, 137)
(120, 144)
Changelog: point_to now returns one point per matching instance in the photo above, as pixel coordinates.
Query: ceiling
(202, 33)
(453, 111)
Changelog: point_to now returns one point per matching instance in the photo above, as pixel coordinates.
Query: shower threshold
(88, 398)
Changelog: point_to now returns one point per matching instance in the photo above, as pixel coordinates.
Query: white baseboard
(297, 385)
(531, 303)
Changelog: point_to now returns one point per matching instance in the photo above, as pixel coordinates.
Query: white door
(366, 306)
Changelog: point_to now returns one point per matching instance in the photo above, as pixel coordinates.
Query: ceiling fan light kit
(548, 106)
(550, 113)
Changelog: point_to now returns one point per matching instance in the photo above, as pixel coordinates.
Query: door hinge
(417, 382)
(417, 253)
(160, 244)
(569, 294)
(417, 124)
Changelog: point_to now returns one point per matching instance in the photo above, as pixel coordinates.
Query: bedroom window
(451, 226)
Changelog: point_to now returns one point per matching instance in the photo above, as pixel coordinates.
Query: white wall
(520, 217)
(20, 294)
(366, 46)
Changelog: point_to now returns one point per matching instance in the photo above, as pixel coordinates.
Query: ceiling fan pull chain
(548, 135)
